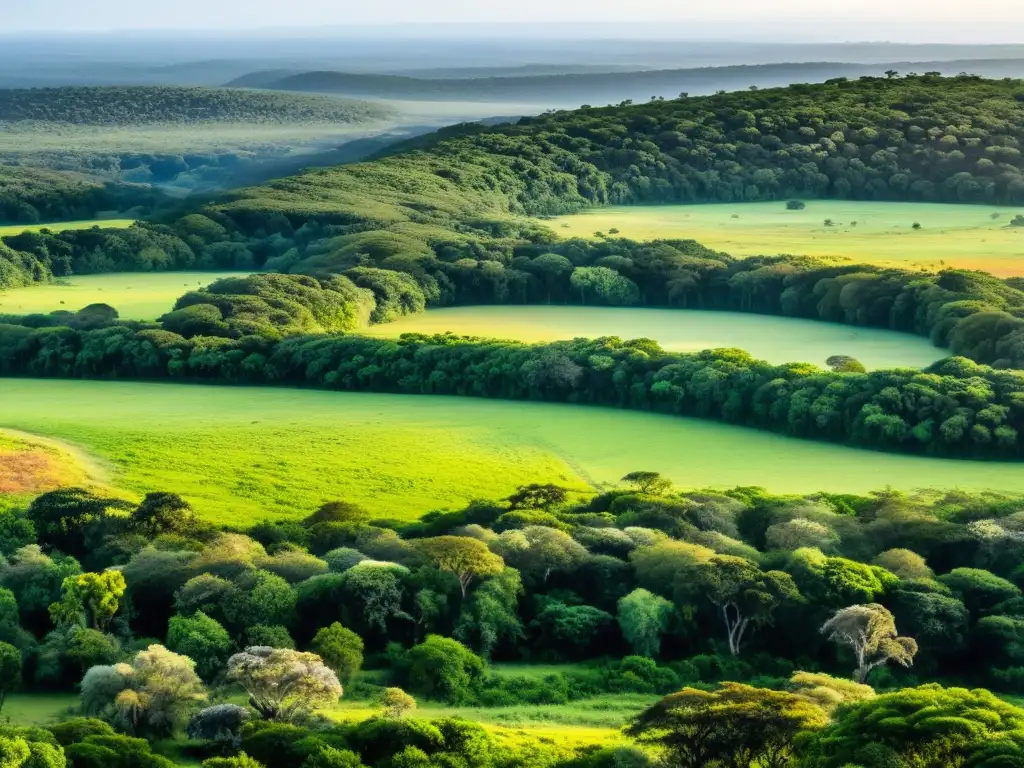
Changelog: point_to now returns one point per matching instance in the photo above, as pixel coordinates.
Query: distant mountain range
(575, 88)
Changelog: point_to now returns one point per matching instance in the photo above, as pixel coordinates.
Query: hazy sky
(903, 20)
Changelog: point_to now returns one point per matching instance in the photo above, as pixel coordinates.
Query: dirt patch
(32, 464)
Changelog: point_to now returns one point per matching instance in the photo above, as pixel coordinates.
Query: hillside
(444, 222)
(30, 195)
(142, 105)
(611, 85)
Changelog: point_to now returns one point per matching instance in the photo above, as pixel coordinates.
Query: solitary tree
(283, 684)
(648, 482)
(396, 702)
(845, 364)
(870, 632)
(467, 558)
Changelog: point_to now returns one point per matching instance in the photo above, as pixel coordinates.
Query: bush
(795, 205)
(442, 669)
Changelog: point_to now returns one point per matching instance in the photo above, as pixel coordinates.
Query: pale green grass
(244, 454)
(587, 721)
(63, 226)
(952, 235)
(135, 295)
(776, 339)
(38, 708)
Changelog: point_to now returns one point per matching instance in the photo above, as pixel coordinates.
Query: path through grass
(968, 236)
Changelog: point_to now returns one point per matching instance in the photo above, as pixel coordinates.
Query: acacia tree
(467, 558)
(648, 482)
(736, 726)
(744, 595)
(283, 684)
(870, 632)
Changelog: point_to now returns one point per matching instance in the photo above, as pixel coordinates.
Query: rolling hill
(572, 89)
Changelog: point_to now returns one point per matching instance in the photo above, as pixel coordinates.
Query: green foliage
(643, 617)
(202, 639)
(341, 649)
(440, 668)
(927, 726)
(10, 671)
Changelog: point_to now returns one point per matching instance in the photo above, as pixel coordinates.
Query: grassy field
(777, 339)
(969, 236)
(135, 295)
(37, 708)
(62, 226)
(244, 454)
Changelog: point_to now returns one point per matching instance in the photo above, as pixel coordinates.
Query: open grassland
(596, 720)
(968, 236)
(38, 708)
(135, 295)
(776, 339)
(245, 454)
(62, 226)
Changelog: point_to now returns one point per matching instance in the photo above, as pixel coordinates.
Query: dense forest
(749, 612)
(32, 195)
(141, 105)
(601, 86)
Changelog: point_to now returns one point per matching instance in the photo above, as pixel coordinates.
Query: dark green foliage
(33, 195)
(440, 668)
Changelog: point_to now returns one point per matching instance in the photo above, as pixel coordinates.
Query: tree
(283, 684)
(736, 726)
(155, 694)
(373, 596)
(744, 595)
(341, 649)
(490, 615)
(395, 702)
(604, 286)
(92, 595)
(221, 724)
(202, 639)
(262, 598)
(795, 205)
(798, 533)
(648, 482)
(845, 364)
(904, 563)
(467, 558)
(441, 668)
(980, 590)
(540, 551)
(160, 513)
(10, 671)
(643, 617)
(870, 632)
(64, 518)
(929, 726)
(538, 496)
(552, 270)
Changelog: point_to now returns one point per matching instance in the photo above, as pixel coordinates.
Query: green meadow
(968, 236)
(62, 226)
(244, 454)
(135, 295)
(776, 339)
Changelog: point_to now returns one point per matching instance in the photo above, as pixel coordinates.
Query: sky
(813, 20)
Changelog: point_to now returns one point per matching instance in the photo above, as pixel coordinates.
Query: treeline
(119, 106)
(739, 605)
(241, 331)
(32, 196)
(975, 314)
